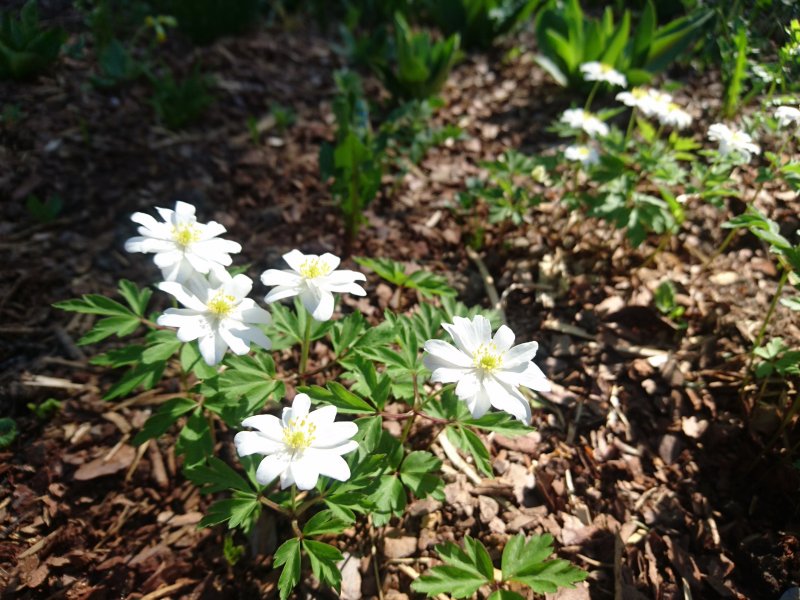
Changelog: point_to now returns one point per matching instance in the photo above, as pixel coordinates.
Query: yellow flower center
(221, 304)
(300, 434)
(639, 93)
(314, 267)
(185, 234)
(487, 357)
(583, 151)
(606, 68)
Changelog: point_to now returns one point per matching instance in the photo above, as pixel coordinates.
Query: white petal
(250, 312)
(331, 260)
(468, 385)
(295, 259)
(300, 405)
(446, 375)
(272, 466)
(535, 379)
(479, 404)
(184, 210)
(167, 259)
(213, 348)
(275, 277)
(508, 399)
(179, 317)
(503, 338)
(235, 343)
(240, 286)
(334, 434)
(146, 220)
(344, 276)
(211, 230)
(442, 354)
(269, 426)
(305, 472)
(330, 465)
(182, 295)
(324, 309)
(253, 335)
(148, 244)
(281, 292)
(323, 417)
(251, 442)
(520, 354)
(198, 262)
(344, 288)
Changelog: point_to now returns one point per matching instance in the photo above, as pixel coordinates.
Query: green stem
(407, 427)
(760, 338)
(725, 243)
(591, 96)
(304, 348)
(629, 130)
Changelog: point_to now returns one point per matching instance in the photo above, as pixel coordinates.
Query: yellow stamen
(299, 435)
(221, 304)
(314, 267)
(487, 357)
(185, 234)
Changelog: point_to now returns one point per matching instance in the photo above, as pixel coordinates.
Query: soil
(650, 463)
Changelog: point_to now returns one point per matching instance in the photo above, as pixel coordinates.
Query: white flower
(218, 315)
(488, 370)
(787, 115)
(577, 118)
(648, 101)
(586, 155)
(313, 278)
(732, 140)
(673, 115)
(182, 246)
(597, 71)
(300, 446)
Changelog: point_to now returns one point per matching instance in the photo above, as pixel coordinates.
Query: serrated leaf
(161, 345)
(499, 422)
(164, 417)
(249, 376)
(216, 476)
(142, 375)
(505, 595)
(467, 441)
(323, 558)
(463, 572)
(323, 522)
(419, 471)
(238, 511)
(137, 299)
(289, 556)
(526, 561)
(120, 326)
(194, 440)
(389, 499)
(8, 431)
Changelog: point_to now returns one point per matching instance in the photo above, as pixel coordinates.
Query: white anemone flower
(674, 116)
(597, 71)
(488, 371)
(648, 101)
(313, 278)
(787, 115)
(181, 245)
(577, 118)
(582, 153)
(218, 315)
(733, 140)
(300, 446)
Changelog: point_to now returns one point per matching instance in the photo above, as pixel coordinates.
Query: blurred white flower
(787, 115)
(577, 118)
(648, 101)
(733, 140)
(674, 116)
(487, 370)
(313, 278)
(181, 245)
(586, 155)
(597, 71)
(218, 315)
(300, 446)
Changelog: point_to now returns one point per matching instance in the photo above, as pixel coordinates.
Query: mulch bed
(646, 464)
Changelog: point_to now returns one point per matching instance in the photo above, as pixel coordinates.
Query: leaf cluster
(26, 47)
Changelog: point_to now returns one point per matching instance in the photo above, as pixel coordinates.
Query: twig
(488, 282)
(167, 589)
(456, 459)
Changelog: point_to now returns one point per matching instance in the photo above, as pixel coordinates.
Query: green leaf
(499, 422)
(463, 572)
(526, 561)
(194, 440)
(233, 553)
(389, 499)
(8, 431)
(192, 362)
(142, 375)
(467, 441)
(164, 417)
(289, 556)
(216, 476)
(420, 472)
(323, 558)
(119, 326)
(505, 595)
(161, 345)
(137, 299)
(239, 511)
(323, 522)
(249, 376)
